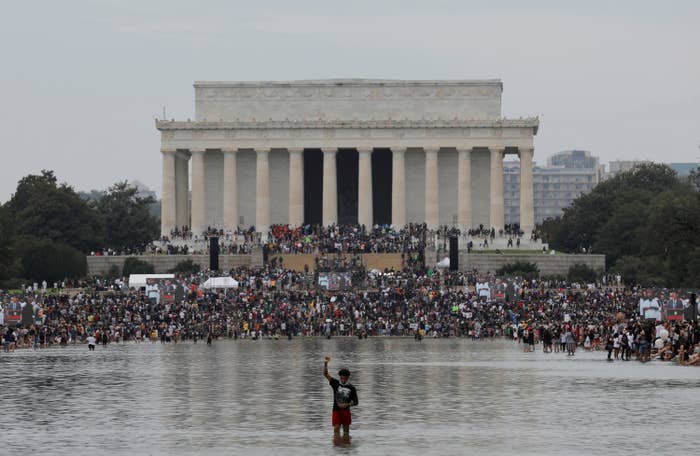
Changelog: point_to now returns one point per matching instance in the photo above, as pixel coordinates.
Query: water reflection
(269, 397)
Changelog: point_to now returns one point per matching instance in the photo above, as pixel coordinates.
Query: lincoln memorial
(343, 151)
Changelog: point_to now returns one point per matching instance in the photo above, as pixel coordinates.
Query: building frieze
(320, 124)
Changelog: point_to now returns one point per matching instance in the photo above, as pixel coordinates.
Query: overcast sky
(81, 81)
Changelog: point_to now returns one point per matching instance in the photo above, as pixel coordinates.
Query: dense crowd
(342, 238)
(272, 303)
(347, 239)
(317, 239)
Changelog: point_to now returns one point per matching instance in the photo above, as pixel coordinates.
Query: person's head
(344, 375)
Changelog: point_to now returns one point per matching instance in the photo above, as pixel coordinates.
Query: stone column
(182, 189)
(296, 187)
(230, 189)
(364, 188)
(464, 188)
(432, 196)
(527, 196)
(262, 191)
(398, 187)
(496, 207)
(198, 197)
(330, 188)
(168, 211)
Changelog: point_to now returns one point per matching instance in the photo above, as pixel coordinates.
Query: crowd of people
(274, 302)
(347, 238)
(511, 231)
(318, 239)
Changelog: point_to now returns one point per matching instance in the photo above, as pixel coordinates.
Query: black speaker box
(214, 253)
(454, 253)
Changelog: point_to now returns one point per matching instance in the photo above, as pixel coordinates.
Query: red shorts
(342, 417)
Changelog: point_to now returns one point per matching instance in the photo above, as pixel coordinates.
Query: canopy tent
(444, 263)
(220, 282)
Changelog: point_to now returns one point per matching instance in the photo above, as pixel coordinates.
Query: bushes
(581, 273)
(113, 272)
(42, 259)
(186, 267)
(133, 265)
(519, 268)
(15, 283)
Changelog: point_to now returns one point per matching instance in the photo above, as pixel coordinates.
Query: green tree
(127, 218)
(608, 218)
(670, 234)
(645, 221)
(43, 209)
(43, 259)
(133, 265)
(9, 264)
(694, 178)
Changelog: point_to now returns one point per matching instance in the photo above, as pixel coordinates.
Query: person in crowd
(344, 397)
(272, 302)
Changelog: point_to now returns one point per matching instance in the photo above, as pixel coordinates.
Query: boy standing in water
(344, 397)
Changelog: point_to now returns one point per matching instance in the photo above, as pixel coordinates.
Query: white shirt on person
(653, 310)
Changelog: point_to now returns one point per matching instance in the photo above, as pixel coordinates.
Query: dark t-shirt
(342, 393)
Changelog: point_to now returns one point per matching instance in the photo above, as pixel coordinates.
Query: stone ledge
(100, 265)
(350, 82)
(548, 264)
(529, 122)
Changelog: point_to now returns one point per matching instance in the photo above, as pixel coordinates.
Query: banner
(334, 281)
(674, 308)
(160, 290)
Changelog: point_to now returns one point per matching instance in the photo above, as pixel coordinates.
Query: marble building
(343, 151)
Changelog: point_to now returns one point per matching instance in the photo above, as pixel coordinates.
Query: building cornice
(530, 122)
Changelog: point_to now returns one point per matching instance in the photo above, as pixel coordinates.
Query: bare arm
(325, 368)
(354, 401)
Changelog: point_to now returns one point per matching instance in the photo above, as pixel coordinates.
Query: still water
(438, 397)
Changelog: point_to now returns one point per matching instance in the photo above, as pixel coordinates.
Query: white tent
(220, 282)
(444, 263)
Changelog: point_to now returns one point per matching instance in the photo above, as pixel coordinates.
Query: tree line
(646, 221)
(47, 229)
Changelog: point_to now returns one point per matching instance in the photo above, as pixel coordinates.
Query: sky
(82, 81)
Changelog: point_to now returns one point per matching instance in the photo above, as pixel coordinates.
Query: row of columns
(175, 186)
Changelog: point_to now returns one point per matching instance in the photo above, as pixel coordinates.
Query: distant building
(142, 191)
(568, 175)
(683, 169)
(619, 166)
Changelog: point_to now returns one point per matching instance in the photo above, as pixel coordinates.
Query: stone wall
(99, 265)
(558, 264)
(347, 100)
(549, 264)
